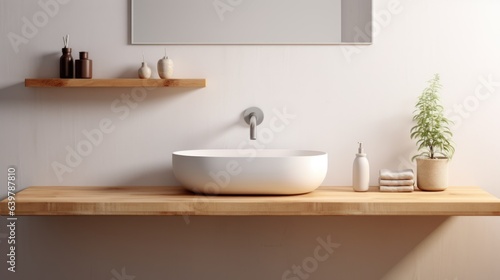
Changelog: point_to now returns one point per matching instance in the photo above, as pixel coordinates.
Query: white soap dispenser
(360, 171)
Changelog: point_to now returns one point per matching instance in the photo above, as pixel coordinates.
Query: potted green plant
(433, 137)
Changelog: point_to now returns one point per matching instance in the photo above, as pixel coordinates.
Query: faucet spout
(253, 116)
(253, 125)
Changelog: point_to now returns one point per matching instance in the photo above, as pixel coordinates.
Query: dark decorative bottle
(83, 66)
(66, 64)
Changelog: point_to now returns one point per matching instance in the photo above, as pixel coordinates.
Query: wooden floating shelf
(334, 201)
(112, 83)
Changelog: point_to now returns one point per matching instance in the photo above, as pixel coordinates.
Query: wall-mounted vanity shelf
(115, 83)
(171, 201)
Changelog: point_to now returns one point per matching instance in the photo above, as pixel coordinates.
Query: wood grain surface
(455, 201)
(190, 83)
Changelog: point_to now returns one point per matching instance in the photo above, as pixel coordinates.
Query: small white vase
(144, 71)
(165, 68)
(432, 174)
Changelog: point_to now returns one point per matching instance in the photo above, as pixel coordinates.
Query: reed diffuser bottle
(66, 66)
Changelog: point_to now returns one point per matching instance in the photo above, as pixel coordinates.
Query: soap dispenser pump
(360, 171)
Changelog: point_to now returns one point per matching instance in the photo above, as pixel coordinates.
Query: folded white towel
(396, 182)
(405, 174)
(396, 189)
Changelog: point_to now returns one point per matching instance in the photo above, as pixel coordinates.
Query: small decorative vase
(432, 174)
(144, 71)
(66, 65)
(165, 68)
(83, 66)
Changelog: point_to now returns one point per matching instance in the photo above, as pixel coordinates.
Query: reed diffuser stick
(66, 40)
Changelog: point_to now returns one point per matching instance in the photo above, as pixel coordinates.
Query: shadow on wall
(13, 93)
(217, 247)
(48, 65)
(14, 105)
(53, 110)
(157, 176)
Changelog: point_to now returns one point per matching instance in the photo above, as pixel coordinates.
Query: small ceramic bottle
(144, 71)
(360, 171)
(83, 66)
(165, 67)
(66, 64)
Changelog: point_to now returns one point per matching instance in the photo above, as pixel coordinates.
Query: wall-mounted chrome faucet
(253, 116)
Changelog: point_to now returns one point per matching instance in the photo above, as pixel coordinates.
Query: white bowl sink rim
(250, 172)
(232, 153)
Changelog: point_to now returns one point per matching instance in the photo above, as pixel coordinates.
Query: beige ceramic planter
(432, 174)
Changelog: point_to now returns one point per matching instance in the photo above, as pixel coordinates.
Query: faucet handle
(255, 111)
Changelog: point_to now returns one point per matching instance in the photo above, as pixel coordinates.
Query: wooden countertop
(343, 201)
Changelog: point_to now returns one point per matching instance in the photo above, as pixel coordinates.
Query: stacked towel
(396, 180)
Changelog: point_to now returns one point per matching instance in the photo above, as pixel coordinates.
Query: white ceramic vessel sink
(271, 172)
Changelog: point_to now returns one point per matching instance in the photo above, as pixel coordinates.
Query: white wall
(339, 95)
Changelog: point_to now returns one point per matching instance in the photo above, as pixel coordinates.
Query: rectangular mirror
(289, 22)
